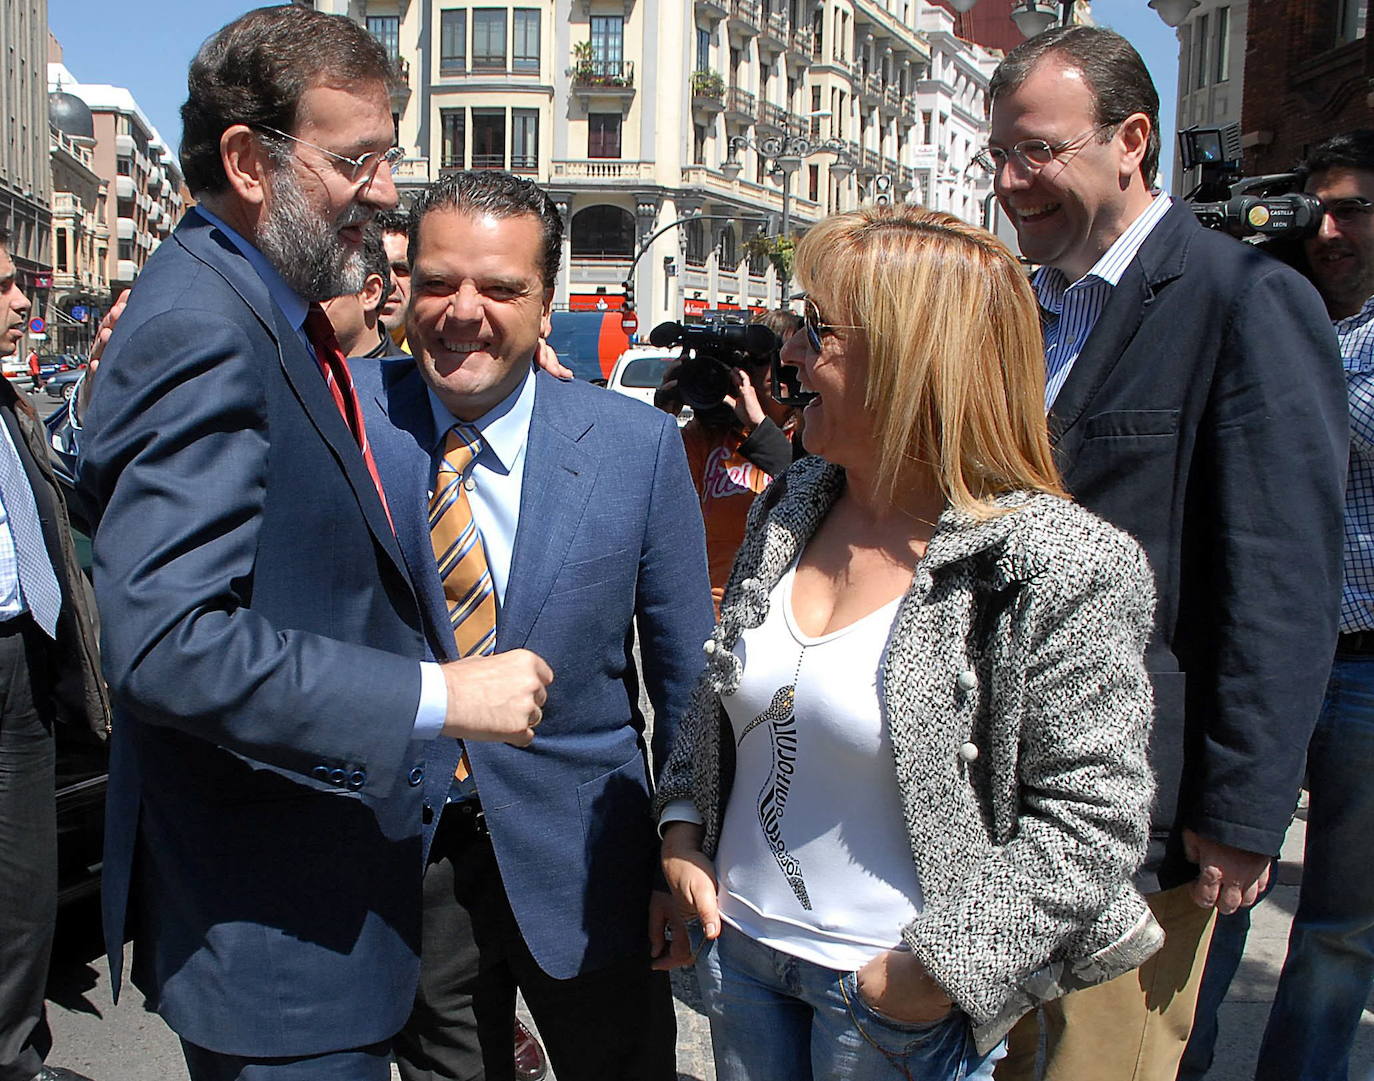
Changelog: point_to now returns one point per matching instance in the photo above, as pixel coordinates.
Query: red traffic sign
(38, 324)
(629, 322)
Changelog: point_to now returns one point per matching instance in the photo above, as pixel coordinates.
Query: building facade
(1211, 73)
(751, 118)
(80, 233)
(25, 176)
(144, 180)
(1309, 75)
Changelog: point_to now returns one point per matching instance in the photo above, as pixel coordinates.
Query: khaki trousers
(1132, 1028)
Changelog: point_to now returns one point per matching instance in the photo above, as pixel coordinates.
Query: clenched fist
(496, 699)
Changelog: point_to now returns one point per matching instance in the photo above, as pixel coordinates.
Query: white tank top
(814, 858)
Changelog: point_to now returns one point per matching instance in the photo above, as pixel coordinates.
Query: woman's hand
(897, 985)
(691, 876)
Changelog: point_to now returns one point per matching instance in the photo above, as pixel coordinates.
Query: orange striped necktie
(460, 554)
(339, 380)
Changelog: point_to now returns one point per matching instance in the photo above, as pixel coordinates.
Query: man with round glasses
(1329, 971)
(1195, 400)
(262, 638)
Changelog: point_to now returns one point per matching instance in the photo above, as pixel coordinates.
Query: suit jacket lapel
(1160, 259)
(559, 475)
(299, 365)
(403, 450)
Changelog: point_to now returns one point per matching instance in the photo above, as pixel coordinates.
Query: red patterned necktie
(340, 383)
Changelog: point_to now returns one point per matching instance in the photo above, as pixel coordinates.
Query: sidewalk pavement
(125, 1043)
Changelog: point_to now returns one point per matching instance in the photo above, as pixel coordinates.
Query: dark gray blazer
(1207, 417)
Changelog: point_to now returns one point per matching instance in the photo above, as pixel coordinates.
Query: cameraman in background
(1329, 971)
(736, 448)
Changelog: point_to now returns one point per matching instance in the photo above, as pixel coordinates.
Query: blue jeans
(1329, 971)
(774, 1017)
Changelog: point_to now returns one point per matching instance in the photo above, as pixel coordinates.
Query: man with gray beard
(261, 636)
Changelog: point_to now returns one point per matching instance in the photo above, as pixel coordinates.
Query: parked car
(63, 384)
(53, 363)
(82, 759)
(638, 371)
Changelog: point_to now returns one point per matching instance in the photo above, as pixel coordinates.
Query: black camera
(710, 353)
(1269, 206)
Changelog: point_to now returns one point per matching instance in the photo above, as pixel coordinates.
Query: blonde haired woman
(911, 791)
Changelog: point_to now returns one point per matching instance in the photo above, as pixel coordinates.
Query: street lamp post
(786, 153)
(1036, 16)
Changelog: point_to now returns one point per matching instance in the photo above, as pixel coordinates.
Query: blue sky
(147, 45)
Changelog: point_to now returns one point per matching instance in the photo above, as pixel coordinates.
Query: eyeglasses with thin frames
(816, 327)
(1349, 210)
(364, 168)
(1034, 154)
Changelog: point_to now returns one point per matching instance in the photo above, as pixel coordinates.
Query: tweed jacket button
(709, 646)
(969, 752)
(967, 680)
(749, 585)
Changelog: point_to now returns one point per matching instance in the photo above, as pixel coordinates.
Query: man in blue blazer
(1196, 400)
(262, 639)
(539, 867)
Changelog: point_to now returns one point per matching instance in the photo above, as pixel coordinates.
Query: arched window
(603, 232)
(696, 243)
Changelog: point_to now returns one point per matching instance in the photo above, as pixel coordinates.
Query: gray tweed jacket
(1019, 710)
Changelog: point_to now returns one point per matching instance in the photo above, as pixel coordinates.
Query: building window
(698, 144)
(488, 138)
(928, 127)
(453, 41)
(126, 250)
(525, 43)
(696, 243)
(488, 40)
(815, 110)
(1350, 20)
(758, 262)
(703, 49)
(455, 137)
(124, 166)
(729, 248)
(608, 39)
(387, 30)
(1223, 44)
(1200, 52)
(817, 32)
(524, 139)
(61, 257)
(814, 185)
(603, 232)
(603, 135)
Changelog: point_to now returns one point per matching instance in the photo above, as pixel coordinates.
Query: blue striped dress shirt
(1069, 311)
(1356, 335)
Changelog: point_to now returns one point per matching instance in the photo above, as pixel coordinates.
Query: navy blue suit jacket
(1207, 417)
(610, 538)
(261, 639)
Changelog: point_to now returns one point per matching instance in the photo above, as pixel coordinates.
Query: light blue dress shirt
(1071, 310)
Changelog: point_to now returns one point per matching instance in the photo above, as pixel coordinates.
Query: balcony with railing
(741, 106)
(744, 16)
(708, 91)
(602, 169)
(774, 28)
(772, 119)
(711, 10)
(605, 78)
(892, 98)
(801, 46)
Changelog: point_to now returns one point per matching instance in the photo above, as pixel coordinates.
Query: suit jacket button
(320, 773)
(357, 779)
(427, 814)
(337, 776)
(416, 775)
(969, 752)
(967, 680)
(709, 646)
